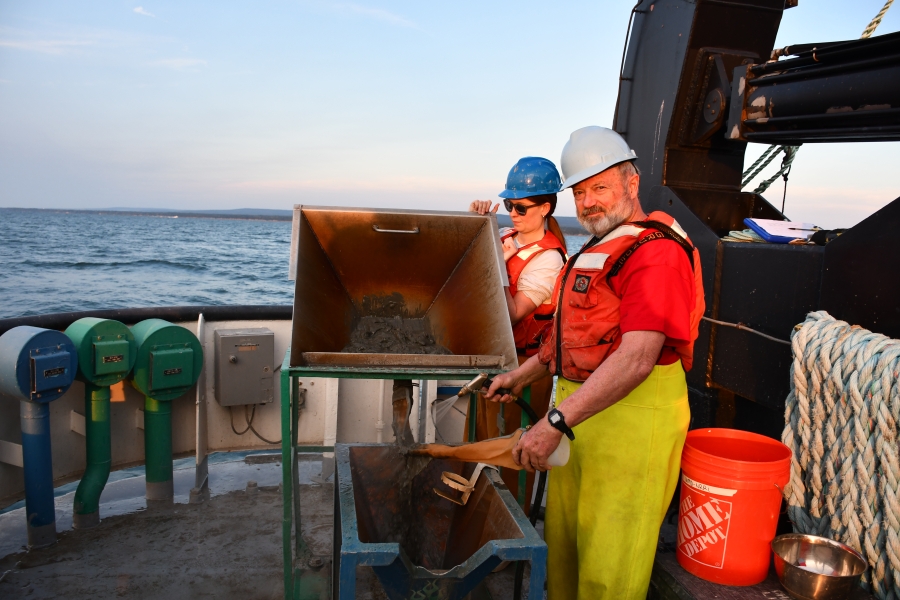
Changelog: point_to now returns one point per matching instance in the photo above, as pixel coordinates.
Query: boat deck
(670, 582)
(226, 547)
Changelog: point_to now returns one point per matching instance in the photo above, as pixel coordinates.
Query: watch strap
(558, 421)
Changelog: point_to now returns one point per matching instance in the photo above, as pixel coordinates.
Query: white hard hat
(591, 150)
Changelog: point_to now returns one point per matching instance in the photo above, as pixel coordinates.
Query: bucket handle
(787, 500)
(380, 230)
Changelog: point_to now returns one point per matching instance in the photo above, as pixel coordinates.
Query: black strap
(675, 237)
(528, 347)
(667, 233)
(663, 232)
(558, 421)
(570, 264)
(542, 317)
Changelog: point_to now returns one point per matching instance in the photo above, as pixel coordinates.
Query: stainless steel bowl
(816, 568)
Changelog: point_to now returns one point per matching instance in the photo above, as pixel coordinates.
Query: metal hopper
(442, 268)
(420, 544)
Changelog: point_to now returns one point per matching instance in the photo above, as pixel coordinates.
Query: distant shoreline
(162, 214)
(569, 225)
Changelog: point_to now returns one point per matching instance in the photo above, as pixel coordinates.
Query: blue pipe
(40, 508)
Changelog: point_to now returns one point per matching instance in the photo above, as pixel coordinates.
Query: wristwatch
(558, 421)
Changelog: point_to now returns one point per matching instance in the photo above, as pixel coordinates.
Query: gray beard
(599, 227)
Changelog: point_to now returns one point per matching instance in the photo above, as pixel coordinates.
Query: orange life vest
(528, 331)
(586, 327)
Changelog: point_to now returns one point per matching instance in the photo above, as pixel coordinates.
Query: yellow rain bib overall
(605, 507)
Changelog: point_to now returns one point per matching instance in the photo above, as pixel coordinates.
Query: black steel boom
(841, 92)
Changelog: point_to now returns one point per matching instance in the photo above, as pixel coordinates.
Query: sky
(211, 105)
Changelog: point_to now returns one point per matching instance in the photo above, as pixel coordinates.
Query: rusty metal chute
(442, 267)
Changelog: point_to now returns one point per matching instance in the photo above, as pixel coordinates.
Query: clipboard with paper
(781, 232)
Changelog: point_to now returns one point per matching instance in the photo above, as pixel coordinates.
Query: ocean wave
(131, 261)
(241, 278)
(85, 264)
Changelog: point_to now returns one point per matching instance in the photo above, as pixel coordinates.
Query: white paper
(788, 229)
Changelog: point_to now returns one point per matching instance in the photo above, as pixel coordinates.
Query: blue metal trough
(422, 546)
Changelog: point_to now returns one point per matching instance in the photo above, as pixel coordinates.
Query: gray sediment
(393, 335)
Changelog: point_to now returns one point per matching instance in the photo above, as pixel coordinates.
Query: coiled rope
(841, 423)
(747, 235)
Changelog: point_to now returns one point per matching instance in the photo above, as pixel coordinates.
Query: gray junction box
(244, 360)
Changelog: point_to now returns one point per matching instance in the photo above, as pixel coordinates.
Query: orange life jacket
(586, 327)
(528, 331)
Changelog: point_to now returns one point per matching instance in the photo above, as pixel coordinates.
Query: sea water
(71, 261)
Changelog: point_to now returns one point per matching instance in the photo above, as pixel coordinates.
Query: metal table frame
(304, 577)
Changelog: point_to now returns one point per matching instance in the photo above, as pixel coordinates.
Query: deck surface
(227, 547)
(671, 582)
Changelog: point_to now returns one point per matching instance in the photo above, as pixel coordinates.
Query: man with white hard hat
(629, 306)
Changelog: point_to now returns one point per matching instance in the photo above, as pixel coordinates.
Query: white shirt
(539, 276)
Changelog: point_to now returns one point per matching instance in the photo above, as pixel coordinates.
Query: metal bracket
(709, 113)
(739, 86)
(706, 102)
(331, 415)
(200, 491)
(461, 484)
(380, 230)
(11, 454)
(331, 420)
(76, 423)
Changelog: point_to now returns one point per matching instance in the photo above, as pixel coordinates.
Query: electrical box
(38, 365)
(169, 359)
(171, 366)
(245, 366)
(112, 358)
(106, 350)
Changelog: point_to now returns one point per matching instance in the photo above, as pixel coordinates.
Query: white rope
(747, 235)
(873, 25)
(841, 423)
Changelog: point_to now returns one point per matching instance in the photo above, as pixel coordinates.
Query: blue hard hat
(531, 176)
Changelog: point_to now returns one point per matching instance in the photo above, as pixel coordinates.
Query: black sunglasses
(522, 209)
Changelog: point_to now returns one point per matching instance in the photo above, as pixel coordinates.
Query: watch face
(554, 418)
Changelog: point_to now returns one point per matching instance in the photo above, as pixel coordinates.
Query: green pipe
(158, 448)
(99, 457)
(287, 474)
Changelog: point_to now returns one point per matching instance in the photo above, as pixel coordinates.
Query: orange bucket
(730, 499)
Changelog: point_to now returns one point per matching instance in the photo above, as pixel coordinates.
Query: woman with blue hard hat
(534, 249)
